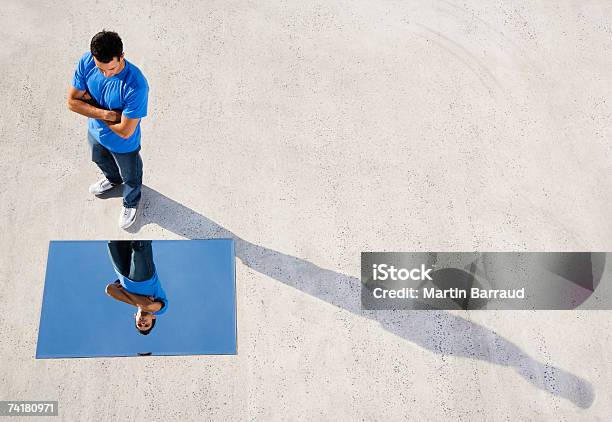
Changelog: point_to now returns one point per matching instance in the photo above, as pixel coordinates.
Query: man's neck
(122, 64)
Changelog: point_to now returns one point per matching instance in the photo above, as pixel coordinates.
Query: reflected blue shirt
(127, 91)
(151, 287)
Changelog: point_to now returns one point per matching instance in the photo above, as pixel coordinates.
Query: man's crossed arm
(77, 101)
(117, 291)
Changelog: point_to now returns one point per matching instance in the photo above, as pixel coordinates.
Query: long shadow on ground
(437, 331)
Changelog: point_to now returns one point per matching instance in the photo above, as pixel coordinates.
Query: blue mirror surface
(138, 298)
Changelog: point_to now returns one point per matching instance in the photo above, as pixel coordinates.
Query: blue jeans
(119, 168)
(132, 258)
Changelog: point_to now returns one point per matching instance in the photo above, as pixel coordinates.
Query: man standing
(113, 93)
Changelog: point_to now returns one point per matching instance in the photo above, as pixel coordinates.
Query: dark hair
(145, 332)
(106, 45)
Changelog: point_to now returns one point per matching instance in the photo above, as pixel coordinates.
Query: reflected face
(144, 320)
(111, 68)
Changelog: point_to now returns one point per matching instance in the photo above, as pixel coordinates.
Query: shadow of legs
(437, 331)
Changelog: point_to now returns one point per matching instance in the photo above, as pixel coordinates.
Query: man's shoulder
(135, 78)
(87, 59)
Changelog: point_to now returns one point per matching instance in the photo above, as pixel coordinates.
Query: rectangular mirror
(138, 298)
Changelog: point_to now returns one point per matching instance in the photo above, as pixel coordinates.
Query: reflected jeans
(119, 168)
(132, 258)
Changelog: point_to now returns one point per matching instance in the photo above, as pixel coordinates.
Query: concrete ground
(309, 132)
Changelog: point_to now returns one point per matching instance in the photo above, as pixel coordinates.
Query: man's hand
(151, 307)
(125, 127)
(112, 117)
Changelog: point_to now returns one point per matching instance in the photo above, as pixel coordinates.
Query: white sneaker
(101, 186)
(127, 217)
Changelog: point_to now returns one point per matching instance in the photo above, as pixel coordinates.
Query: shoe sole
(130, 225)
(103, 192)
(99, 194)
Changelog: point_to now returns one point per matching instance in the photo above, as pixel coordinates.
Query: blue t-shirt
(151, 287)
(127, 91)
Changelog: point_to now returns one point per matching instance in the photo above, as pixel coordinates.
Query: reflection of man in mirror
(138, 283)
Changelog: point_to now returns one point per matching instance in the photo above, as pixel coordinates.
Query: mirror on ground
(138, 298)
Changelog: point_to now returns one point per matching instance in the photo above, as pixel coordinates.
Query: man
(113, 93)
(138, 283)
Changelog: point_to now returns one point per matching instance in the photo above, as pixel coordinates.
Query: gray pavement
(310, 132)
